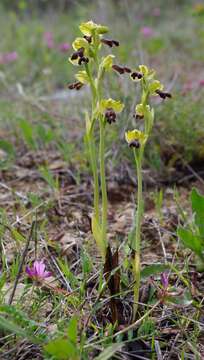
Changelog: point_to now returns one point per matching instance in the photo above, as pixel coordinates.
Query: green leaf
(197, 201)
(72, 330)
(190, 240)
(17, 236)
(62, 349)
(11, 327)
(109, 352)
(184, 299)
(27, 131)
(153, 269)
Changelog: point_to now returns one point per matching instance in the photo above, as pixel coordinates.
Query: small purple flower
(147, 31)
(164, 280)
(37, 272)
(48, 39)
(8, 57)
(64, 47)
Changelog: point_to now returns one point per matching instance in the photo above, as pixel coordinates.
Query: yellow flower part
(117, 106)
(107, 62)
(82, 77)
(146, 72)
(141, 109)
(135, 135)
(143, 69)
(90, 27)
(79, 43)
(154, 86)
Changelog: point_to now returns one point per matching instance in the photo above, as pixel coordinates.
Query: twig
(21, 263)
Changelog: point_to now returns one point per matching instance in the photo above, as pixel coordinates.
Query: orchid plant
(137, 140)
(87, 54)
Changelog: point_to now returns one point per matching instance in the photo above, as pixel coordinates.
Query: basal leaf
(153, 269)
(190, 240)
(62, 349)
(109, 352)
(197, 201)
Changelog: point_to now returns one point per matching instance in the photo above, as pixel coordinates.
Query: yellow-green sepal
(154, 86)
(116, 105)
(90, 27)
(83, 77)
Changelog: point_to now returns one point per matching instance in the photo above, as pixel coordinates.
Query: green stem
(92, 150)
(103, 181)
(139, 213)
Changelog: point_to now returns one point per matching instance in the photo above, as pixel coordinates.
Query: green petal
(107, 62)
(117, 106)
(155, 85)
(90, 27)
(82, 77)
(79, 43)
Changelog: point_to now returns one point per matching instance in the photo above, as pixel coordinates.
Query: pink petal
(146, 31)
(47, 274)
(29, 271)
(39, 268)
(64, 47)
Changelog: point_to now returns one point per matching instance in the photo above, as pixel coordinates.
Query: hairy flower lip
(138, 116)
(75, 86)
(82, 60)
(121, 69)
(163, 94)
(136, 74)
(135, 144)
(110, 42)
(110, 115)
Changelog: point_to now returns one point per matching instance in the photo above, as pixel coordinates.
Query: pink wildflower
(8, 57)
(37, 272)
(64, 47)
(164, 280)
(147, 31)
(48, 39)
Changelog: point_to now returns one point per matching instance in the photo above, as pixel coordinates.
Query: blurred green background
(39, 113)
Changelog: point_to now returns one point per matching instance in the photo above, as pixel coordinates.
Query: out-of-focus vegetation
(36, 42)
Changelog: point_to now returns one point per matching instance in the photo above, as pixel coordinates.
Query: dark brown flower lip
(82, 60)
(138, 116)
(121, 69)
(110, 116)
(136, 74)
(110, 42)
(135, 144)
(163, 94)
(75, 86)
(79, 54)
